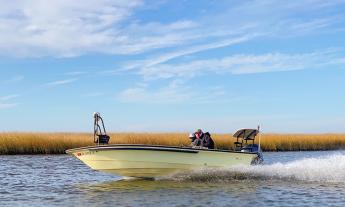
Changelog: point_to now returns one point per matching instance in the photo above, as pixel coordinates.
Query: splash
(322, 169)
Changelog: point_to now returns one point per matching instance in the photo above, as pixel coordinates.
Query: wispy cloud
(245, 63)
(187, 51)
(7, 105)
(9, 97)
(14, 79)
(76, 73)
(4, 101)
(179, 74)
(93, 94)
(281, 20)
(65, 29)
(61, 82)
(61, 28)
(176, 92)
(165, 95)
(72, 28)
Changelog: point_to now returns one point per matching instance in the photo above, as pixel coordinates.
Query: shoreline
(30, 143)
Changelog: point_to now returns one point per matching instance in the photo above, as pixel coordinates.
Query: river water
(286, 179)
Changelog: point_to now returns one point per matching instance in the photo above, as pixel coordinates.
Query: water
(287, 179)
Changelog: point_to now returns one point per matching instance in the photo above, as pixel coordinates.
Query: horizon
(164, 132)
(167, 66)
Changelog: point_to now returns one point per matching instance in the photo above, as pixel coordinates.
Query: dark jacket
(207, 141)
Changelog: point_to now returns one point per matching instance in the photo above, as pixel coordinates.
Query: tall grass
(57, 143)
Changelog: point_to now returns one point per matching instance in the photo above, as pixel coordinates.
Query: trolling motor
(99, 134)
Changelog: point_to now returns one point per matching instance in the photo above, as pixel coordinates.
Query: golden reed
(57, 143)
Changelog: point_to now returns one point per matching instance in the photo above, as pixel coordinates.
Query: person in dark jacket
(207, 141)
(201, 139)
(199, 135)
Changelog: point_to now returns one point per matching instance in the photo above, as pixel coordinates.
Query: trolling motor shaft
(99, 134)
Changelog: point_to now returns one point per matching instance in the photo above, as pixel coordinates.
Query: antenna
(259, 137)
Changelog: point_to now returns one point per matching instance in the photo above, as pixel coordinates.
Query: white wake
(324, 169)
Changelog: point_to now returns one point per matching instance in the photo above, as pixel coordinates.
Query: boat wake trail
(323, 169)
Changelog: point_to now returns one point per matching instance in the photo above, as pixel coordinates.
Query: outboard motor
(99, 134)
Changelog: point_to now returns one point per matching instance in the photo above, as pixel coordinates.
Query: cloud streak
(4, 101)
(187, 51)
(9, 97)
(176, 92)
(93, 94)
(61, 82)
(76, 73)
(7, 105)
(245, 64)
(14, 79)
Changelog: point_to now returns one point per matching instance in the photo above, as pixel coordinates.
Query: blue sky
(173, 65)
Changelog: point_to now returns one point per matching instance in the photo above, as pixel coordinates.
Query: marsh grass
(57, 143)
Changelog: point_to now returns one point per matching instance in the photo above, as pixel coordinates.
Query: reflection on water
(146, 185)
(287, 179)
(168, 193)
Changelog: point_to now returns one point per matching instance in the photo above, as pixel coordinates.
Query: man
(201, 139)
(196, 138)
(199, 134)
(192, 137)
(207, 141)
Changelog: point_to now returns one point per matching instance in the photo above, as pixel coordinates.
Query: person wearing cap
(192, 137)
(195, 142)
(201, 139)
(199, 134)
(196, 138)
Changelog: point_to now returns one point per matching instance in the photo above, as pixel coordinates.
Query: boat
(152, 161)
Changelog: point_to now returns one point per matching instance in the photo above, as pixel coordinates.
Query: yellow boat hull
(146, 161)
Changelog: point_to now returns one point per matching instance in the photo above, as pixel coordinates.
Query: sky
(172, 66)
